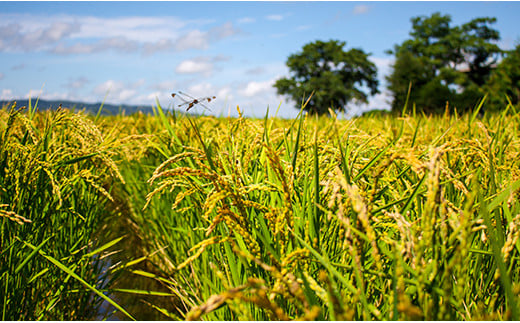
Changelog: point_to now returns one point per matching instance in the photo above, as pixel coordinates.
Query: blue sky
(139, 51)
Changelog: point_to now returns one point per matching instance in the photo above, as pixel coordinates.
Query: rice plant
(411, 217)
(56, 169)
(380, 217)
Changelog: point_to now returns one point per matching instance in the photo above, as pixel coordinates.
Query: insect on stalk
(191, 101)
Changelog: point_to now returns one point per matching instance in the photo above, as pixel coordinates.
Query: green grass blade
(408, 203)
(138, 292)
(84, 283)
(316, 222)
(497, 255)
(506, 193)
(297, 143)
(165, 312)
(103, 247)
(371, 163)
(76, 159)
(326, 263)
(163, 118)
(477, 110)
(207, 149)
(29, 257)
(405, 106)
(415, 133)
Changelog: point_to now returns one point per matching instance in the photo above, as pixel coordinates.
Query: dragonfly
(190, 101)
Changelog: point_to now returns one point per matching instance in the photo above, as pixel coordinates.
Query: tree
(428, 91)
(335, 76)
(504, 82)
(444, 63)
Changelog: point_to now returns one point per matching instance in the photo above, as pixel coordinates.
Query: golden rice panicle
(83, 131)
(182, 195)
(347, 197)
(513, 233)
(213, 198)
(295, 259)
(12, 215)
(164, 185)
(280, 171)
(252, 150)
(179, 157)
(183, 172)
(224, 184)
(231, 220)
(56, 191)
(313, 284)
(28, 126)
(429, 217)
(461, 224)
(284, 219)
(199, 249)
(254, 291)
(216, 221)
(93, 180)
(406, 237)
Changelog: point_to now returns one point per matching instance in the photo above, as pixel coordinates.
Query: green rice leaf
(84, 283)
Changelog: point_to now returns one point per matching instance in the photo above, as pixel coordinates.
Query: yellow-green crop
(379, 217)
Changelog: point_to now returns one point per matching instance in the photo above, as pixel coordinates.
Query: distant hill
(92, 108)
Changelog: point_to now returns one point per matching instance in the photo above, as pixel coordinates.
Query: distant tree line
(92, 108)
(440, 66)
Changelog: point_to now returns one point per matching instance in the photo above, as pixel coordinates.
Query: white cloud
(162, 45)
(14, 37)
(205, 89)
(361, 9)
(63, 96)
(379, 101)
(67, 34)
(168, 86)
(254, 88)
(220, 58)
(303, 27)
(18, 67)
(126, 95)
(274, 17)
(246, 20)
(76, 83)
(119, 43)
(194, 66)
(6, 94)
(194, 39)
(74, 49)
(384, 65)
(140, 29)
(506, 43)
(117, 91)
(200, 65)
(108, 86)
(225, 94)
(202, 90)
(223, 31)
(256, 70)
(279, 35)
(150, 97)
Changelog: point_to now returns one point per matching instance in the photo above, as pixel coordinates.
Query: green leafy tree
(336, 76)
(504, 82)
(443, 63)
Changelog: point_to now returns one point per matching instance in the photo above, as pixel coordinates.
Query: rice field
(380, 217)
